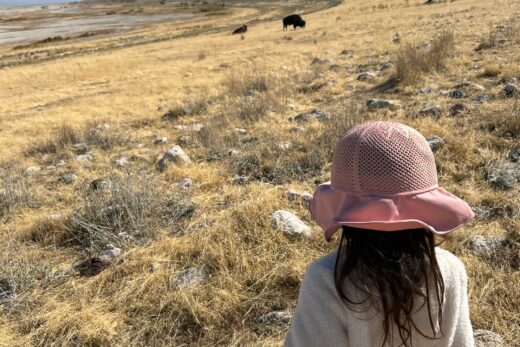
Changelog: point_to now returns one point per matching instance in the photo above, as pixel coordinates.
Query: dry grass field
(200, 263)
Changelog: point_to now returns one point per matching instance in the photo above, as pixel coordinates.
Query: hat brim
(435, 209)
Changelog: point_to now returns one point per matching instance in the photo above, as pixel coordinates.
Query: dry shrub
(192, 105)
(505, 121)
(135, 205)
(14, 192)
(414, 61)
(489, 41)
(490, 70)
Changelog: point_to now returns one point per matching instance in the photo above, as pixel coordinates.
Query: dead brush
(488, 41)
(15, 192)
(192, 105)
(135, 205)
(414, 61)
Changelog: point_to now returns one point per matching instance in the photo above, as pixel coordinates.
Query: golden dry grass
(257, 84)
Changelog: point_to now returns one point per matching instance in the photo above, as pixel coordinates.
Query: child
(387, 285)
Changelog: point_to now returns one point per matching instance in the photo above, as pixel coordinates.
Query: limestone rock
(84, 157)
(510, 90)
(375, 104)
(190, 277)
(458, 108)
(514, 155)
(316, 114)
(95, 265)
(456, 94)
(160, 140)
(7, 293)
(289, 223)
(435, 142)
(100, 185)
(485, 246)
(504, 177)
(121, 163)
(295, 196)
(32, 170)
(433, 110)
(174, 155)
(366, 76)
(68, 178)
(185, 184)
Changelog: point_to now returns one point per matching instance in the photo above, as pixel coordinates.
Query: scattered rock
(295, 196)
(233, 152)
(386, 66)
(374, 104)
(487, 338)
(318, 60)
(240, 180)
(435, 142)
(186, 140)
(470, 85)
(514, 155)
(185, 184)
(486, 212)
(240, 131)
(481, 99)
(100, 185)
(458, 108)
(7, 293)
(32, 170)
(275, 317)
(433, 110)
(397, 38)
(312, 114)
(160, 140)
(485, 246)
(68, 178)
(100, 127)
(80, 148)
(456, 94)
(190, 277)
(510, 90)
(121, 163)
(366, 76)
(425, 90)
(284, 146)
(289, 223)
(174, 155)
(192, 127)
(95, 265)
(84, 157)
(505, 176)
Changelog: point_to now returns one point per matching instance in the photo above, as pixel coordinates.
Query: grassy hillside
(201, 263)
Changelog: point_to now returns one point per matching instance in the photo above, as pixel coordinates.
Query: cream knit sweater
(322, 320)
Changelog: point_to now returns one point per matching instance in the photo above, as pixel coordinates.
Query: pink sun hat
(383, 177)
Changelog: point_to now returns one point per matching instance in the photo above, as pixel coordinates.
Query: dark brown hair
(394, 272)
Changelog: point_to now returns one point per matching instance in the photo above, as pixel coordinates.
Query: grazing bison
(241, 30)
(295, 20)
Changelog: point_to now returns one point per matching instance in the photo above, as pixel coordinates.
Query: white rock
(32, 170)
(485, 246)
(160, 140)
(190, 277)
(185, 184)
(68, 178)
(84, 157)
(109, 253)
(487, 338)
(366, 76)
(174, 155)
(276, 317)
(435, 142)
(294, 196)
(240, 131)
(289, 223)
(121, 163)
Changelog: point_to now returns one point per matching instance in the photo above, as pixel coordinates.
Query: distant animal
(295, 20)
(241, 30)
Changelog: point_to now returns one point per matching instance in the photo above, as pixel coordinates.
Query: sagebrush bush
(413, 61)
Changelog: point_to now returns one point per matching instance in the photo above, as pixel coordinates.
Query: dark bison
(241, 30)
(295, 20)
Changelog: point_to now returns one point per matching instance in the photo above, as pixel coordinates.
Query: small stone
(386, 66)
(458, 108)
(80, 148)
(68, 178)
(101, 127)
(186, 140)
(291, 107)
(32, 170)
(284, 146)
(160, 140)
(456, 94)
(487, 338)
(121, 163)
(347, 52)
(320, 61)
(433, 110)
(185, 184)
(109, 253)
(485, 246)
(84, 157)
(316, 114)
(504, 177)
(486, 212)
(7, 293)
(374, 104)
(233, 152)
(510, 90)
(397, 38)
(190, 277)
(435, 142)
(514, 155)
(289, 223)
(100, 185)
(425, 90)
(192, 127)
(481, 99)
(240, 131)
(240, 180)
(174, 155)
(275, 317)
(366, 76)
(303, 197)
(124, 236)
